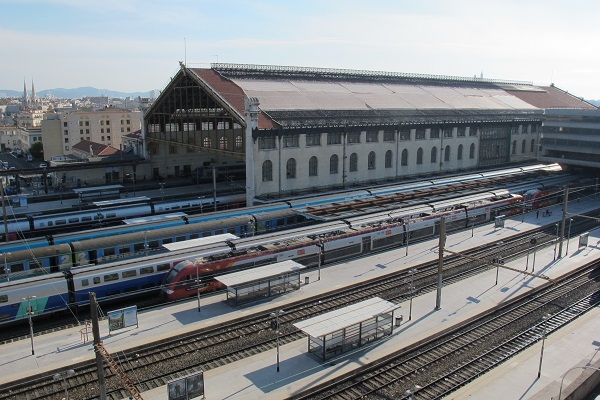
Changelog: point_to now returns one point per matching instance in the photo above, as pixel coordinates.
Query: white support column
(251, 112)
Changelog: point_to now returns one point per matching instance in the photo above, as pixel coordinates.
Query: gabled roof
(95, 149)
(295, 96)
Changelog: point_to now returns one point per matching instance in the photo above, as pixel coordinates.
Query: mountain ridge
(78, 93)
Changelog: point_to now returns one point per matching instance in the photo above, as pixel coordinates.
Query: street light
(198, 286)
(544, 322)
(498, 261)
(320, 246)
(556, 242)
(63, 375)
(411, 288)
(275, 327)
(29, 315)
(568, 236)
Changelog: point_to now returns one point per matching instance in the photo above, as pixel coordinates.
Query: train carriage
(44, 294)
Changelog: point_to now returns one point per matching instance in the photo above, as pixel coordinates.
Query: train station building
(294, 130)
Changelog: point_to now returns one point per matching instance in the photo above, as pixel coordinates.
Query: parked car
(43, 165)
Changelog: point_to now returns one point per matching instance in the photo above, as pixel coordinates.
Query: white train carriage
(84, 217)
(44, 294)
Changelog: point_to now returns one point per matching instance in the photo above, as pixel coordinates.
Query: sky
(136, 45)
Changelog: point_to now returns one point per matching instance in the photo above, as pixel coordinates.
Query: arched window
(388, 159)
(333, 164)
(472, 151)
(223, 143)
(371, 160)
(239, 142)
(434, 155)
(459, 153)
(290, 168)
(532, 145)
(353, 162)
(447, 154)
(523, 146)
(514, 147)
(267, 171)
(313, 165)
(206, 142)
(404, 158)
(420, 156)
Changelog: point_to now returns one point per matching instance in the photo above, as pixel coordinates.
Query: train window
(153, 244)
(280, 222)
(163, 267)
(96, 280)
(111, 215)
(4, 298)
(111, 277)
(124, 249)
(85, 282)
(73, 220)
(194, 236)
(98, 216)
(231, 230)
(35, 264)
(50, 223)
(138, 247)
(60, 222)
(167, 240)
(146, 270)
(109, 251)
(180, 238)
(129, 274)
(87, 218)
(206, 234)
(175, 208)
(17, 268)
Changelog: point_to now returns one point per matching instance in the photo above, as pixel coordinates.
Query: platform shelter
(342, 330)
(261, 282)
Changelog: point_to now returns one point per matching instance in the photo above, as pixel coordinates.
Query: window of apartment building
(434, 133)
(223, 143)
(290, 168)
(334, 138)
(128, 129)
(459, 153)
(290, 141)
(266, 143)
(64, 124)
(66, 140)
(108, 138)
(87, 138)
(404, 158)
(128, 122)
(472, 131)
(81, 131)
(121, 122)
(80, 123)
(334, 161)
(447, 154)
(388, 136)
(107, 130)
(372, 137)
(87, 123)
(313, 139)
(102, 138)
(472, 151)
(239, 142)
(420, 156)
(404, 134)
(353, 162)
(448, 132)
(460, 131)
(434, 155)
(87, 131)
(371, 160)
(101, 130)
(388, 159)
(66, 148)
(420, 134)
(122, 129)
(354, 137)
(66, 133)
(172, 149)
(267, 171)
(313, 166)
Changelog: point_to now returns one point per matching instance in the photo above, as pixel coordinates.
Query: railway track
(152, 366)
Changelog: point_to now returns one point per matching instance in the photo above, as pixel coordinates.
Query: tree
(37, 150)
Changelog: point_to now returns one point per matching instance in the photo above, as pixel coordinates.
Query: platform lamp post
(201, 197)
(198, 286)
(275, 326)
(556, 242)
(407, 237)
(534, 242)
(29, 315)
(411, 272)
(545, 323)
(568, 236)
(320, 246)
(472, 219)
(498, 261)
(63, 375)
(162, 190)
(6, 267)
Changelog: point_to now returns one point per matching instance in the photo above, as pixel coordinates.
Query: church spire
(33, 98)
(25, 95)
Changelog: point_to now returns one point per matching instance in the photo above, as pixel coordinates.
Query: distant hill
(77, 93)
(594, 102)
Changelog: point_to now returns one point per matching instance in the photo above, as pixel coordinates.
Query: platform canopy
(187, 244)
(260, 273)
(336, 320)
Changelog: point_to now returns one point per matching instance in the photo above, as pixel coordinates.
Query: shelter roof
(259, 273)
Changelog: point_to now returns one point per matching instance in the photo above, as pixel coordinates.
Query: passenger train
(176, 272)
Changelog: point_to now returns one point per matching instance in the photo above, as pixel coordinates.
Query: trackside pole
(96, 333)
(438, 299)
(564, 220)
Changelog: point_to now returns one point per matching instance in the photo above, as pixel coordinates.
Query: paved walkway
(256, 377)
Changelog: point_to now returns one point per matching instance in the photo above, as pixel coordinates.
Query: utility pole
(97, 342)
(438, 299)
(564, 220)
(4, 210)
(214, 174)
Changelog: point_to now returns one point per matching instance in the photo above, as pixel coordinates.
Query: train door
(93, 256)
(366, 244)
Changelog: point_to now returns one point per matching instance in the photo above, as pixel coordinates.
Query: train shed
(262, 282)
(347, 328)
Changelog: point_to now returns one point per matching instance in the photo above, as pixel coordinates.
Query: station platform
(257, 378)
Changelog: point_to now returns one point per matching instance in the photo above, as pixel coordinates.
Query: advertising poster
(187, 388)
(123, 318)
(177, 390)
